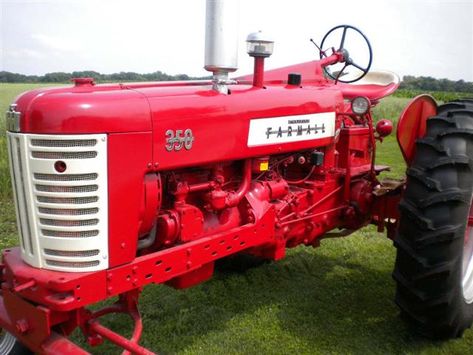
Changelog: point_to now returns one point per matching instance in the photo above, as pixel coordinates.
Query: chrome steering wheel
(330, 37)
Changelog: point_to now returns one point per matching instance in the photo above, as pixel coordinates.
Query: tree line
(409, 82)
(62, 77)
(428, 83)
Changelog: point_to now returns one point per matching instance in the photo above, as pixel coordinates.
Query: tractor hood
(83, 109)
(140, 107)
(173, 109)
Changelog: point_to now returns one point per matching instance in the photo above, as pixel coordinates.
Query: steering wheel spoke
(342, 42)
(340, 73)
(364, 70)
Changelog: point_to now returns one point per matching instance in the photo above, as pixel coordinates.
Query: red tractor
(121, 186)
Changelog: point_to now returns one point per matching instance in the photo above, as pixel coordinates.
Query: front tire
(434, 264)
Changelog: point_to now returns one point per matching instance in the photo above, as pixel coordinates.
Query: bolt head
(22, 326)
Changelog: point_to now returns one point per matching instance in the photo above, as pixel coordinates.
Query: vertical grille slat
(14, 174)
(61, 213)
(24, 201)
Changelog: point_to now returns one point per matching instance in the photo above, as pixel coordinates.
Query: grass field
(336, 299)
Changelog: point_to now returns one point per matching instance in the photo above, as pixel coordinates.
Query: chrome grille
(68, 201)
(68, 211)
(65, 177)
(62, 217)
(72, 189)
(79, 253)
(68, 223)
(63, 155)
(78, 265)
(63, 143)
(62, 234)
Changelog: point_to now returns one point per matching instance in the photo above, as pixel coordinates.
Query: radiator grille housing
(62, 217)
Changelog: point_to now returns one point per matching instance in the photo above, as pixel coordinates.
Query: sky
(408, 37)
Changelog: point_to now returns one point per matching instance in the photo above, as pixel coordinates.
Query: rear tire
(9, 345)
(433, 269)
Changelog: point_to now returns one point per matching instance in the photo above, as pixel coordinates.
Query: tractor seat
(374, 86)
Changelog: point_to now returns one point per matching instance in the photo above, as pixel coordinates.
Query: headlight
(258, 45)
(360, 105)
(12, 123)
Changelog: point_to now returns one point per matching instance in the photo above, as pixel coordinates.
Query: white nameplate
(286, 129)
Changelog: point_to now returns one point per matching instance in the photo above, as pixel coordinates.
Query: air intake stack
(221, 41)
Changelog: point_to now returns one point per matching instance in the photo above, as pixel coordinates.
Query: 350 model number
(178, 139)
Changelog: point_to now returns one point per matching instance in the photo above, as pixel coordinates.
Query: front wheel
(434, 264)
(9, 345)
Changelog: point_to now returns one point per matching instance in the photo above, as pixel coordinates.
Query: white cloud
(24, 53)
(56, 43)
(417, 37)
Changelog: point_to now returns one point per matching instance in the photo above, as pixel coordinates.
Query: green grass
(390, 108)
(437, 95)
(336, 299)
(387, 152)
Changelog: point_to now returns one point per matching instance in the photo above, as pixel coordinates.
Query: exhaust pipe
(221, 41)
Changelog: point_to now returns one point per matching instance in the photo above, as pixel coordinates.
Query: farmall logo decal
(288, 129)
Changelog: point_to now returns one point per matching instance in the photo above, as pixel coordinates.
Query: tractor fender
(412, 124)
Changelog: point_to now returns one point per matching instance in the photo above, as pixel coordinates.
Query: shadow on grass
(307, 303)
